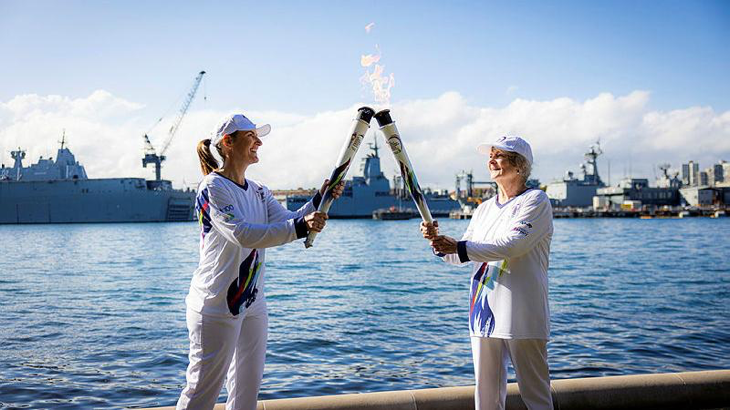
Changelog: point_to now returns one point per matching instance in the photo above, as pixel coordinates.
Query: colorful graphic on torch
(410, 180)
(338, 174)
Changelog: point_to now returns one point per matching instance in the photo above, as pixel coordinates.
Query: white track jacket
(237, 224)
(509, 246)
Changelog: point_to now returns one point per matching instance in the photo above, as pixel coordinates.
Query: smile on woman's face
(499, 166)
(245, 146)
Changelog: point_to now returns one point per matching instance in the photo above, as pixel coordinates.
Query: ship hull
(92, 201)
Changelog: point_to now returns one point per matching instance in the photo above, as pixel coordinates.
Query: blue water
(93, 315)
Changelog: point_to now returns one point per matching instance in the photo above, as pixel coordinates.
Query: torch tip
(365, 114)
(383, 117)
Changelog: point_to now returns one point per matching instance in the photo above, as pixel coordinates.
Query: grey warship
(371, 191)
(59, 191)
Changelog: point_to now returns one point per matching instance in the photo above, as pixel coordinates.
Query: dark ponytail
(208, 163)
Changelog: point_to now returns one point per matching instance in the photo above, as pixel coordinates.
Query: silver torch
(360, 125)
(387, 127)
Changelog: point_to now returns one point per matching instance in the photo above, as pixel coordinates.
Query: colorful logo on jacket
(227, 213)
(202, 209)
(481, 317)
(242, 292)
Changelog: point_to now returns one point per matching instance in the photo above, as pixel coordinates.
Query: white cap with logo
(238, 122)
(509, 143)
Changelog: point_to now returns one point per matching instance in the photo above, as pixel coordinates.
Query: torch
(360, 125)
(387, 127)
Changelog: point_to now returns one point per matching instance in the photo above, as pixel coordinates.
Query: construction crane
(150, 153)
(469, 194)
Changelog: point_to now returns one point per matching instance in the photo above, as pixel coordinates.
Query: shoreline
(688, 390)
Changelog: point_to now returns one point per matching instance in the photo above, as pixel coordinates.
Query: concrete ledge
(690, 390)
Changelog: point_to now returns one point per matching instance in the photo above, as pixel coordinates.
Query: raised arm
(278, 213)
(224, 216)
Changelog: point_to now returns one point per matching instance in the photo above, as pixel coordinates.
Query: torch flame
(369, 59)
(379, 84)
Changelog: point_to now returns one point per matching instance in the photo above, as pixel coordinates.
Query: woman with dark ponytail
(239, 218)
(208, 163)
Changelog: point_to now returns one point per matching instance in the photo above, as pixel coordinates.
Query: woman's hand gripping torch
(360, 126)
(387, 127)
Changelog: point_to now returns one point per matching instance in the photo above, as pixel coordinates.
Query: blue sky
(303, 57)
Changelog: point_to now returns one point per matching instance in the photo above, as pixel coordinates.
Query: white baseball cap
(509, 143)
(238, 122)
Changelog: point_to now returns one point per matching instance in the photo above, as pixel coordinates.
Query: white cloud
(105, 132)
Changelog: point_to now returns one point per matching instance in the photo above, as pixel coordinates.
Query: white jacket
(509, 246)
(237, 224)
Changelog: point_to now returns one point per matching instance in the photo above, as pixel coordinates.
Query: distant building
(717, 173)
(704, 179)
(690, 174)
(697, 196)
(705, 195)
(638, 190)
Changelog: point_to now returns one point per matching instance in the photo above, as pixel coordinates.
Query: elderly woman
(239, 218)
(507, 243)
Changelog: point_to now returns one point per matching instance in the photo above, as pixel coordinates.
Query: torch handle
(389, 130)
(360, 126)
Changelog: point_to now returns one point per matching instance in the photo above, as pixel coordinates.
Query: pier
(650, 213)
(688, 390)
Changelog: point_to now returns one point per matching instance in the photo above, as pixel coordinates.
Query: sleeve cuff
(301, 227)
(461, 250)
(316, 200)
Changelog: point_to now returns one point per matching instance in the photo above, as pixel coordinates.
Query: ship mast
(374, 147)
(18, 156)
(151, 156)
(591, 167)
(63, 138)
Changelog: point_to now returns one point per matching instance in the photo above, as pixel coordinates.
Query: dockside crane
(151, 156)
(469, 194)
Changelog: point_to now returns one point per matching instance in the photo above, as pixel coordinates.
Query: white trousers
(219, 347)
(529, 358)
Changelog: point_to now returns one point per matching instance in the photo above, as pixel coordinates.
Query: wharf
(461, 214)
(689, 390)
(714, 212)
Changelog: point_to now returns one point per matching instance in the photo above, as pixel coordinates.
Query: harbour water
(92, 315)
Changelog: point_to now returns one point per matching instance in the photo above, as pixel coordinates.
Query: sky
(648, 79)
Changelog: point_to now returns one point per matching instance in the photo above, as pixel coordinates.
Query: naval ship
(59, 191)
(578, 192)
(371, 191)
